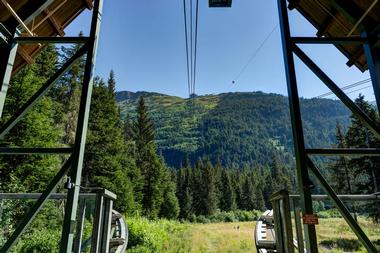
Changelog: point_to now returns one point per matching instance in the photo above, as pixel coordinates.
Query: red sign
(310, 219)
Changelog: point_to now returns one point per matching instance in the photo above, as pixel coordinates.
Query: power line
(350, 86)
(191, 44)
(253, 56)
(187, 47)
(195, 46)
(366, 87)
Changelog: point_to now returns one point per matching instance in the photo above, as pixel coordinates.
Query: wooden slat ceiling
(337, 18)
(51, 22)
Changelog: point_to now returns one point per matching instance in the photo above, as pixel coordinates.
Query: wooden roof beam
(88, 4)
(27, 58)
(353, 13)
(54, 22)
(326, 24)
(293, 4)
(354, 58)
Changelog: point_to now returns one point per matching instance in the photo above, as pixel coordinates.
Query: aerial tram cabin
(219, 3)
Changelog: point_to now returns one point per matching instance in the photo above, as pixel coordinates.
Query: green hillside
(234, 128)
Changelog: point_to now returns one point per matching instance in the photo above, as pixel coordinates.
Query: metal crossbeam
(367, 121)
(80, 137)
(23, 225)
(31, 151)
(344, 151)
(348, 197)
(42, 91)
(298, 137)
(45, 40)
(342, 208)
(328, 40)
(304, 163)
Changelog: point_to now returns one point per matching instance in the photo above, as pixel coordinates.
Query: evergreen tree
(107, 160)
(227, 196)
(36, 129)
(170, 207)
(249, 194)
(363, 170)
(112, 83)
(209, 200)
(68, 91)
(281, 179)
(151, 166)
(341, 178)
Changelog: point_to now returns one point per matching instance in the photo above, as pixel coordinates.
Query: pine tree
(36, 129)
(249, 195)
(184, 192)
(209, 200)
(68, 91)
(227, 196)
(107, 161)
(341, 178)
(170, 207)
(363, 170)
(112, 83)
(151, 166)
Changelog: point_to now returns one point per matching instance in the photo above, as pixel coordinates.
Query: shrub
(331, 213)
(40, 241)
(149, 236)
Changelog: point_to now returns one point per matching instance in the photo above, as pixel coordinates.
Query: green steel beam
(23, 225)
(303, 179)
(80, 137)
(342, 208)
(344, 151)
(359, 113)
(97, 224)
(45, 40)
(80, 226)
(31, 151)
(8, 55)
(347, 197)
(6, 196)
(42, 91)
(373, 62)
(328, 40)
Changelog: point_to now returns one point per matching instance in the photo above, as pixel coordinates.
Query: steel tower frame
(304, 164)
(73, 165)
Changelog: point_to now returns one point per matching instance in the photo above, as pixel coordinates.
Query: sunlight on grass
(334, 235)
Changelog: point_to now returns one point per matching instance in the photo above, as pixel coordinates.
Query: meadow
(235, 237)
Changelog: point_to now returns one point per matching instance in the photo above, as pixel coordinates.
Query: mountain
(234, 128)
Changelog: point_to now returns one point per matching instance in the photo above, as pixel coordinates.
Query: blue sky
(143, 41)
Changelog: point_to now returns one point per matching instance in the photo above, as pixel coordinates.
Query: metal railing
(283, 204)
(109, 230)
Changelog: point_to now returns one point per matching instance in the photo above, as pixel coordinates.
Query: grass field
(333, 235)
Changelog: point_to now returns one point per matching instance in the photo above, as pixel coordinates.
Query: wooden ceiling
(342, 18)
(50, 22)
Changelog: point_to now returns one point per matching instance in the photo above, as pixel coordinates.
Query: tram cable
(255, 53)
(187, 48)
(347, 87)
(195, 45)
(191, 37)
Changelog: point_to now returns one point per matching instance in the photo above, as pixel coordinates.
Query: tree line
(121, 155)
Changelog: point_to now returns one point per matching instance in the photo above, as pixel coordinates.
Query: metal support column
(373, 62)
(298, 137)
(8, 55)
(80, 226)
(106, 233)
(80, 137)
(98, 224)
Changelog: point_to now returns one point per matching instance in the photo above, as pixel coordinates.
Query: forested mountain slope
(234, 128)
